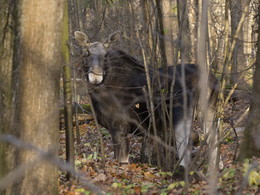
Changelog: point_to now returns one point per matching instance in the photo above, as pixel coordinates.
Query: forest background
(37, 45)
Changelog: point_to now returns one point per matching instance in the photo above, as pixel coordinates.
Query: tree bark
(7, 26)
(36, 117)
(251, 143)
(185, 39)
(168, 24)
(67, 89)
(238, 56)
(74, 25)
(161, 36)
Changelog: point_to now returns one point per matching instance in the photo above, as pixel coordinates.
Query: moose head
(95, 54)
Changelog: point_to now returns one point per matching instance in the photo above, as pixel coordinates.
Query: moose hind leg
(182, 135)
(121, 146)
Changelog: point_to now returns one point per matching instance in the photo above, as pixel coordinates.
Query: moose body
(115, 99)
(117, 84)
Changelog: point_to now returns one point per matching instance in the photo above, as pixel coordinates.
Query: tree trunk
(67, 89)
(36, 117)
(185, 39)
(251, 143)
(168, 24)
(238, 56)
(192, 9)
(74, 25)
(7, 26)
(161, 36)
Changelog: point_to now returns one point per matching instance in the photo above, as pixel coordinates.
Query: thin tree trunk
(161, 36)
(68, 116)
(185, 41)
(67, 89)
(168, 30)
(164, 84)
(237, 7)
(204, 97)
(192, 10)
(74, 26)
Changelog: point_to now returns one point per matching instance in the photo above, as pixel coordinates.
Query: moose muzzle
(95, 75)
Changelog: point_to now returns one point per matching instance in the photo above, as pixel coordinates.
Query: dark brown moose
(116, 84)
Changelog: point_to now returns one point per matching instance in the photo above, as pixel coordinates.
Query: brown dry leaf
(100, 177)
(133, 167)
(149, 176)
(123, 175)
(92, 173)
(137, 190)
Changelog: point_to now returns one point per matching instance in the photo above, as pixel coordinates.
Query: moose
(117, 84)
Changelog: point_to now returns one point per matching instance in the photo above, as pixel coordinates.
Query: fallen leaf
(133, 167)
(149, 176)
(116, 185)
(137, 190)
(100, 177)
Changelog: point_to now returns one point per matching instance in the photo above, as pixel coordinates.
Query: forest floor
(136, 178)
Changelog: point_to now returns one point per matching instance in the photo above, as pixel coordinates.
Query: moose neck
(121, 70)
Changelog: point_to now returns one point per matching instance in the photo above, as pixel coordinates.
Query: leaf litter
(137, 178)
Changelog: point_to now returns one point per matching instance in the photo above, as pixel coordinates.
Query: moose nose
(95, 75)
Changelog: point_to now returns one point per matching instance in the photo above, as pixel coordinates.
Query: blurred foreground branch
(47, 156)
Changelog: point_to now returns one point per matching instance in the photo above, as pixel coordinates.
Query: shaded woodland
(50, 139)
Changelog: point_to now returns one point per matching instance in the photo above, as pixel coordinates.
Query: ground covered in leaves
(136, 178)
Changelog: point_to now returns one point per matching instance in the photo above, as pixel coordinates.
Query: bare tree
(251, 143)
(237, 7)
(169, 32)
(67, 89)
(185, 37)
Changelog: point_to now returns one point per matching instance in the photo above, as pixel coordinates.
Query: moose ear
(113, 37)
(82, 38)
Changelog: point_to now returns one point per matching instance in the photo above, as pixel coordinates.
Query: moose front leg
(121, 145)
